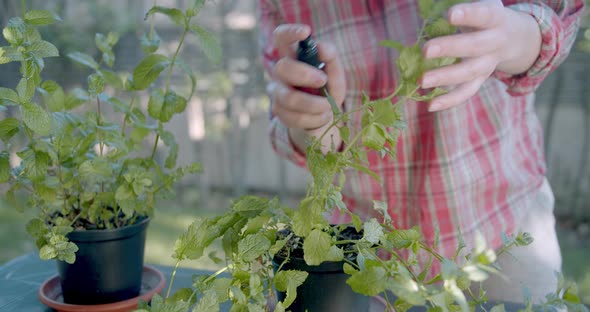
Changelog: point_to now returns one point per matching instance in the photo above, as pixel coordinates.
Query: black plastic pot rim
(299, 264)
(109, 234)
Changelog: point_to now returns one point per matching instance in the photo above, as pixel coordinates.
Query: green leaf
(372, 231)
(404, 238)
(373, 137)
(385, 113)
(84, 59)
(95, 84)
(288, 281)
(279, 307)
(53, 95)
(48, 252)
(393, 44)
(10, 54)
(410, 63)
(175, 15)
(438, 28)
(14, 32)
(113, 79)
(168, 139)
(316, 247)
(156, 103)
(4, 167)
(432, 94)
(401, 306)
(369, 282)
(307, 215)
(208, 43)
(148, 45)
(43, 49)
(253, 246)
(41, 17)
(498, 308)
(8, 96)
(250, 203)
(98, 170)
(195, 7)
(25, 90)
(189, 72)
(75, 98)
(425, 8)
(36, 118)
(208, 302)
(148, 70)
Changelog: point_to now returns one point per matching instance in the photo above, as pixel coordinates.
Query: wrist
(526, 44)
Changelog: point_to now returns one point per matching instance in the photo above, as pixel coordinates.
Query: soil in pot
(108, 266)
(325, 288)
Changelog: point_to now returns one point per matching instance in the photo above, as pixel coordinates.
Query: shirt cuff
(282, 144)
(549, 57)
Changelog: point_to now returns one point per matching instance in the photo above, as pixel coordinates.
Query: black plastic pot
(108, 267)
(324, 290)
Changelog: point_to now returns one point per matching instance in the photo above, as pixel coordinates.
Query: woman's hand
(303, 113)
(493, 38)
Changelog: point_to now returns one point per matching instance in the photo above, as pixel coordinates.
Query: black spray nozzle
(308, 53)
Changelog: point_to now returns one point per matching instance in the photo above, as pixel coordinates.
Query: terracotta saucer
(153, 281)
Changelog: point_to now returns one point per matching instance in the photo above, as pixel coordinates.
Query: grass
(174, 217)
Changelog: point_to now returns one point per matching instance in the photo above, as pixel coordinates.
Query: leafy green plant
(80, 169)
(249, 232)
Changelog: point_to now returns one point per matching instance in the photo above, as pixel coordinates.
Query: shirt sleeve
(269, 18)
(559, 22)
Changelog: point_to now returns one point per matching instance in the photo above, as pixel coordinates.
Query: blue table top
(21, 278)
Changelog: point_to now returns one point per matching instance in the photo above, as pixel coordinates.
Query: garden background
(225, 127)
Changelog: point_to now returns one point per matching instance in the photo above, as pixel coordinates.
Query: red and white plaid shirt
(476, 167)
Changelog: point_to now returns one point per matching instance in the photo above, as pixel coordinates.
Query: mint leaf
(43, 49)
(208, 302)
(316, 247)
(498, 308)
(8, 128)
(438, 28)
(112, 79)
(373, 137)
(392, 44)
(148, 45)
(148, 70)
(36, 118)
(404, 238)
(10, 54)
(4, 167)
(41, 17)
(8, 96)
(372, 231)
(25, 89)
(195, 7)
(175, 15)
(208, 43)
(83, 59)
(288, 281)
(369, 282)
(253, 246)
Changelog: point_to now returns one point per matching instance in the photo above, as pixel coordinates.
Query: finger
(299, 120)
(467, 70)
(293, 100)
(470, 44)
(456, 96)
(333, 68)
(480, 15)
(286, 36)
(298, 74)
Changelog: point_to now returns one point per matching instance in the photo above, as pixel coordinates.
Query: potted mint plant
(90, 180)
(275, 255)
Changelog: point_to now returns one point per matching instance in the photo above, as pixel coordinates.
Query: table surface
(21, 278)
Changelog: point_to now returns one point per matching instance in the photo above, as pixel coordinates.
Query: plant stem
(168, 82)
(127, 113)
(152, 22)
(98, 124)
(432, 252)
(22, 2)
(172, 279)
(214, 275)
